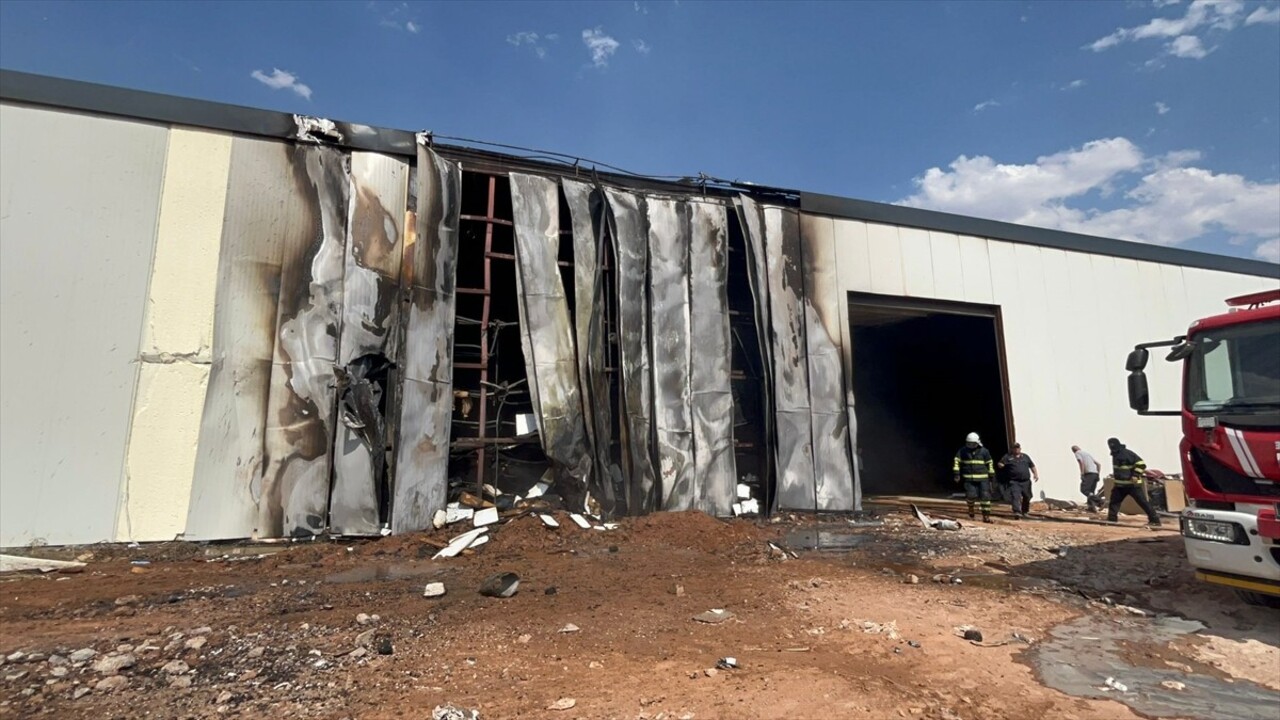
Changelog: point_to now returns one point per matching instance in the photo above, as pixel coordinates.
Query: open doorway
(925, 374)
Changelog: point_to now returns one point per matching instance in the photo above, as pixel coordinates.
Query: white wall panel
(917, 262)
(78, 202)
(853, 255)
(885, 251)
(948, 273)
(975, 265)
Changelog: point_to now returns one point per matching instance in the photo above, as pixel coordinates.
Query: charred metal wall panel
(264, 212)
(751, 220)
(300, 409)
(546, 335)
(710, 385)
(79, 197)
(796, 484)
(426, 354)
(630, 230)
(590, 245)
(370, 325)
(833, 470)
(670, 350)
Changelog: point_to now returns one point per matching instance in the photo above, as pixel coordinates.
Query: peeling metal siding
(426, 392)
(262, 209)
(546, 335)
(751, 220)
(590, 244)
(796, 486)
(300, 411)
(630, 231)
(832, 466)
(370, 319)
(669, 345)
(710, 386)
(79, 200)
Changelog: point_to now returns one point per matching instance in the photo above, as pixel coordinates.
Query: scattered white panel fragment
(549, 521)
(487, 516)
(580, 521)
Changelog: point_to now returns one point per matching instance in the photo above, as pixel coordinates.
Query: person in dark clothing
(1019, 469)
(1128, 471)
(974, 468)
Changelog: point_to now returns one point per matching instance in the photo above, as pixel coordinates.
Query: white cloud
(282, 80)
(641, 46)
(1163, 3)
(1264, 15)
(1187, 46)
(1075, 85)
(1165, 201)
(535, 41)
(641, 7)
(1161, 108)
(602, 46)
(397, 16)
(1268, 250)
(412, 27)
(1216, 14)
(984, 105)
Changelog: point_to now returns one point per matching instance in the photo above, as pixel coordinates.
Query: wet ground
(837, 617)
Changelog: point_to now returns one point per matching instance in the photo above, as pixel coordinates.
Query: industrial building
(221, 322)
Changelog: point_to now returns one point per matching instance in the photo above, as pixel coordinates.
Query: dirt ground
(866, 629)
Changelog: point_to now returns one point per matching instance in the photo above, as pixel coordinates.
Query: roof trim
(1076, 242)
(81, 96)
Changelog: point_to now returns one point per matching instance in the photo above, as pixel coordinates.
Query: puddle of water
(817, 539)
(1079, 656)
(383, 573)
(1004, 582)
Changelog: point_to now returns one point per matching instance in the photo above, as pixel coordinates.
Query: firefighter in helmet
(973, 466)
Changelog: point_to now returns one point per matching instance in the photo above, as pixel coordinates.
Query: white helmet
(972, 438)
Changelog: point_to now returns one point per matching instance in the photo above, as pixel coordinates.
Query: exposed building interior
(925, 374)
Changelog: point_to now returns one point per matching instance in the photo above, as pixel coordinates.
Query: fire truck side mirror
(1136, 362)
(1139, 395)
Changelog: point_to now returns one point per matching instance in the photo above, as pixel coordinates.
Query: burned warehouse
(227, 323)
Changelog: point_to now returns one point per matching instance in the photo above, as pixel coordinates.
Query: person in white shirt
(1089, 476)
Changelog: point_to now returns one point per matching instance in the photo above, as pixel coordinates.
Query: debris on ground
(433, 590)
(969, 632)
(18, 563)
(714, 616)
(500, 585)
(940, 524)
(563, 704)
(452, 712)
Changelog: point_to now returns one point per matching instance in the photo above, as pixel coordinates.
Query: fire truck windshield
(1236, 369)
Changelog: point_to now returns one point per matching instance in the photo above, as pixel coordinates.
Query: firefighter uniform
(1128, 471)
(973, 466)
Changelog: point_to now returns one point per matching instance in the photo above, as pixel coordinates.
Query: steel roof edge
(851, 209)
(142, 105)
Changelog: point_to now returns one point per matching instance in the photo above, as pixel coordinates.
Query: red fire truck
(1230, 445)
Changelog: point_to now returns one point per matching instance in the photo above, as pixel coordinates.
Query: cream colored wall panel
(79, 197)
(179, 319)
(917, 262)
(975, 265)
(885, 252)
(853, 255)
(948, 274)
(162, 450)
(177, 338)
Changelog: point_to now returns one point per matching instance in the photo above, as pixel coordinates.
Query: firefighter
(973, 467)
(1128, 470)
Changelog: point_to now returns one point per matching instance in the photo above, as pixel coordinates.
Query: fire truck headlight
(1214, 531)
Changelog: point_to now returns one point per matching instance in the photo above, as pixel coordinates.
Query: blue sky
(1154, 121)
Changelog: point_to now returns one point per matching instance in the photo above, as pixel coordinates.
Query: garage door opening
(925, 374)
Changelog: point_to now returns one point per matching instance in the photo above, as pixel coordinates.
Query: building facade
(220, 323)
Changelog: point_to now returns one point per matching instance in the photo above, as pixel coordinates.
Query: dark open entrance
(925, 374)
